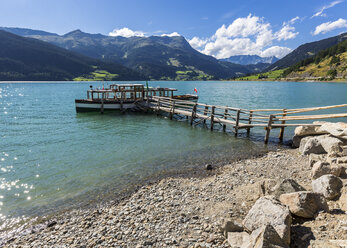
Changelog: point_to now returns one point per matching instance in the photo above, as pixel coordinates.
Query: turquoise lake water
(52, 157)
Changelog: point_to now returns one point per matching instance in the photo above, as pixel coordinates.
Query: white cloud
(293, 20)
(276, 51)
(126, 32)
(329, 26)
(287, 32)
(320, 12)
(246, 36)
(197, 43)
(172, 34)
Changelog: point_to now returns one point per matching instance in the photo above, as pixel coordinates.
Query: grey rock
(310, 145)
(239, 239)
(267, 186)
(313, 158)
(267, 236)
(338, 129)
(330, 144)
(308, 130)
(305, 204)
(323, 168)
(328, 185)
(286, 186)
(268, 210)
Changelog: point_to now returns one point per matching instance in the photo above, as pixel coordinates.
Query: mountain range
(27, 54)
(154, 57)
(250, 59)
(26, 59)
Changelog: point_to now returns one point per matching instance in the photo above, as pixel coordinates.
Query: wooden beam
(237, 122)
(193, 114)
(212, 117)
(225, 117)
(268, 129)
(172, 110)
(282, 128)
(205, 113)
(249, 122)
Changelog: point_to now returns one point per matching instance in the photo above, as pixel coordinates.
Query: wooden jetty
(236, 118)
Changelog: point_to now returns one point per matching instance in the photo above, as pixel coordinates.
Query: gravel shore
(186, 212)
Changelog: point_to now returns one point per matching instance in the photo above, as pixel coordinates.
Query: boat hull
(89, 106)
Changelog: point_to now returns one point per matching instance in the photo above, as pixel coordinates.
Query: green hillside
(328, 64)
(26, 59)
(268, 76)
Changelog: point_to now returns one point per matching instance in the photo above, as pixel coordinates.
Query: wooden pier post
(158, 106)
(282, 128)
(212, 117)
(225, 117)
(205, 113)
(268, 129)
(237, 122)
(172, 109)
(193, 114)
(102, 103)
(249, 122)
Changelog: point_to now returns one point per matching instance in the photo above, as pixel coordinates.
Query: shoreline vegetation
(204, 209)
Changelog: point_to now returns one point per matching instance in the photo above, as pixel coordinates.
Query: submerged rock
(328, 185)
(304, 204)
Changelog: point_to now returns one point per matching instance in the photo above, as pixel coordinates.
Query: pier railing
(236, 118)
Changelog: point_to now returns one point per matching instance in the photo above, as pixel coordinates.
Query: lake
(52, 158)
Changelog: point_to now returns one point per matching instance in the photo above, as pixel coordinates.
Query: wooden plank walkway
(236, 118)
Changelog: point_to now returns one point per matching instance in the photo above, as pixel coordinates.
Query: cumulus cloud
(320, 12)
(172, 34)
(329, 26)
(287, 32)
(276, 51)
(198, 43)
(126, 32)
(246, 36)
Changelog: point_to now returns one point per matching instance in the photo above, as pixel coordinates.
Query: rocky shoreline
(207, 211)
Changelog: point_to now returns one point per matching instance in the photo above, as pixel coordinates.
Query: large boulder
(320, 145)
(286, 186)
(310, 145)
(267, 236)
(305, 204)
(324, 168)
(308, 130)
(268, 210)
(239, 239)
(328, 185)
(338, 129)
(330, 144)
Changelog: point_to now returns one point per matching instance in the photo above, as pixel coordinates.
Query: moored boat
(125, 96)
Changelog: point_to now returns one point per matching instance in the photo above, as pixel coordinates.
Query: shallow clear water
(52, 157)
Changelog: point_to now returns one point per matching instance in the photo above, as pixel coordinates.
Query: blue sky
(220, 28)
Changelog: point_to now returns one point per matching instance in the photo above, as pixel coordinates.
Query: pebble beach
(185, 211)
